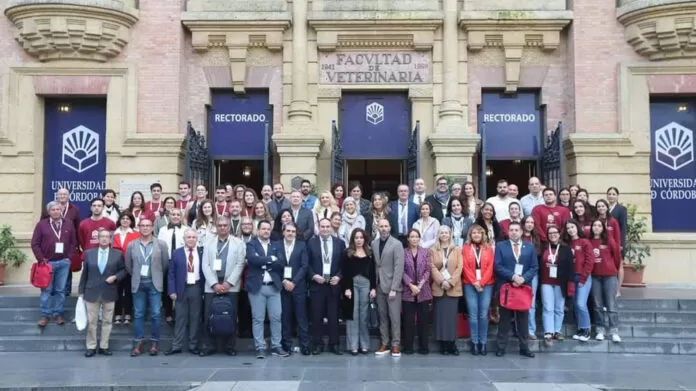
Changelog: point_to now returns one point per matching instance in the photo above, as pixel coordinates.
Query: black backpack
(222, 321)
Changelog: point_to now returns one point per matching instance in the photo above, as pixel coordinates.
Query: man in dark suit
(439, 199)
(515, 262)
(294, 295)
(264, 285)
(325, 253)
(102, 269)
(302, 216)
(278, 201)
(185, 289)
(403, 214)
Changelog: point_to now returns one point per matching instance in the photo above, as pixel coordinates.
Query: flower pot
(2, 273)
(633, 277)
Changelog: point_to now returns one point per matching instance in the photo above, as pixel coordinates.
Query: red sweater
(154, 207)
(505, 226)
(584, 260)
(586, 225)
(545, 266)
(89, 231)
(613, 230)
(608, 262)
(545, 216)
(141, 214)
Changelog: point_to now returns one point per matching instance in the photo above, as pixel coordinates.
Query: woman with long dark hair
(584, 263)
(486, 219)
(285, 216)
(557, 270)
(605, 281)
(470, 203)
(169, 203)
(205, 221)
(610, 222)
(565, 197)
(582, 212)
(458, 221)
(359, 283)
(123, 236)
(339, 193)
(137, 208)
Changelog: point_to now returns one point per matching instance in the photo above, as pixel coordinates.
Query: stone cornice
(417, 34)
(298, 144)
(237, 36)
(660, 30)
(599, 145)
(461, 144)
(71, 31)
(526, 30)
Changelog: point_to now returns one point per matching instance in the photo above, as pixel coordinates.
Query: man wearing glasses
(147, 261)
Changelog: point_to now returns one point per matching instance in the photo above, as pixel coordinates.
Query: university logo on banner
(672, 168)
(75, 151)
(374, 113)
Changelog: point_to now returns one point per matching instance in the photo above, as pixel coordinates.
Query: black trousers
(167, 304)
(325, 304)
(410, 310)
(295, 312)
(244, 314)
(208, 341)
(521, 324)
(124, 302)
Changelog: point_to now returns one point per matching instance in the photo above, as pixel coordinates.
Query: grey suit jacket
(389, 265)
(305, 224)
(273, 208)
(159, 264)
(93, 284)
(234, 264)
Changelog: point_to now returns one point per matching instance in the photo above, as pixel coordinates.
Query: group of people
(215, 267)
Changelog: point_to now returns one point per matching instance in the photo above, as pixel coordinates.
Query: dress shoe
(59, 320)
(454, 349)
(43, 322)
(305, 351)
(90, 353)
(105, 352)
(195, 351)
(423, 351)
(473, 349)
(408, 351)
(154, 349)
(354, 352)
(526, 353)
(500, 353)
(172, 352)
(443, 349)
(137, 349)
(482, 349)
(231, 352)
(336, 350)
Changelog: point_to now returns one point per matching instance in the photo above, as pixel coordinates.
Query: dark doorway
(376, 175)
(240, 172)
(515, 172)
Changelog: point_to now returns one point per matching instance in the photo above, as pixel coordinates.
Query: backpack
(40, 276)
(222, 321)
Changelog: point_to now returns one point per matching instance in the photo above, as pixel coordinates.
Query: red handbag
(76, 261)
(463, 330)
(516, 298)
(40, 276)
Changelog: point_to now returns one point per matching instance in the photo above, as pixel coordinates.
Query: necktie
(326, 213)
(102, 261)
(173, 242)
(189, 264)
(326, 251)
(56, 227)
(516, 249)
(403, 218)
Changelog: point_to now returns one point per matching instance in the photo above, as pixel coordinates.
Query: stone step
(123, 344)
(661, 317)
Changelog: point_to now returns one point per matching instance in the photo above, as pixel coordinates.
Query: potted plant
(9, 253)
(635, 251)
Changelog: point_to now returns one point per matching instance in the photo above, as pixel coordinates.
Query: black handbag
(372, 315)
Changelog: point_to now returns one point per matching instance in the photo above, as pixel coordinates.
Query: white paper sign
(127, 186)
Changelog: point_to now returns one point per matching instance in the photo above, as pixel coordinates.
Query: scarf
(350, 218)
(442, 197)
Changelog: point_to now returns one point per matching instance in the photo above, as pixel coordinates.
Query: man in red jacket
(549, 214)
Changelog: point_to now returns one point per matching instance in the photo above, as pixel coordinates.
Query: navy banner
(75, 150)
(236, 125)
(375, 125)
(513, 125)
(672, 167)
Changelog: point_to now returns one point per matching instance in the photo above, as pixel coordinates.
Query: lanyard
(519, 251)
(552, 254)
(477, 255)
(58, 231)
(227, 242)
(64, 212)
(147, 257)
(155, 209)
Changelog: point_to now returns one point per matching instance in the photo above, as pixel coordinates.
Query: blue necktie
(102, 261)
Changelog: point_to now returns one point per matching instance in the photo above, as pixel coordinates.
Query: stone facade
(595, 64)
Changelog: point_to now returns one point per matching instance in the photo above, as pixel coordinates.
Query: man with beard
(266, 193)
(501, 202)
(308, 200)
(278, 202)
(439, 200)
(236, 218)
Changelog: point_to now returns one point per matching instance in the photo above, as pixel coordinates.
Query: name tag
(217, 264)
(553, 271)
(446, 274)
(59, 248)
(478, 274)
(287, 272)
(518, 269)
(144, 270)
(190, 278)
(326, 269)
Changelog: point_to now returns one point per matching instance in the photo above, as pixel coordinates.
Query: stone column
(452, 144)
(299, 141)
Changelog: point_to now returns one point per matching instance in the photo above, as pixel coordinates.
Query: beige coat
(454, 267)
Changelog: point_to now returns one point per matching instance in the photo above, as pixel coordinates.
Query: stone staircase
(648, 326)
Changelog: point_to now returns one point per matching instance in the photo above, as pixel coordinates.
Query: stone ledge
(660, 30)
(291, 143)
(513, 31)
(462, 144)
(598, 145)
(53, 31)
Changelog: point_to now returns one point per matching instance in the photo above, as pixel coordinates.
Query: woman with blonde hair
(351, 219)
(478, 262)
(323, 209)
(379, 209)
(261, 213)
(446, 274)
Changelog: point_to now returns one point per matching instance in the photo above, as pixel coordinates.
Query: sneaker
(260, 354)
(532, 337)
(584, 335)
(383, 349)
(577, 335)
(396, 352)
(548, 340)
(279, 352)
(599, 337)
(615, 338)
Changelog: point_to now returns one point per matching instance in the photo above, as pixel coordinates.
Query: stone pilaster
(453, 152)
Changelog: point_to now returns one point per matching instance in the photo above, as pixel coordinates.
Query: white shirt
(196, 262)
(165, 234)
(418, 198)
(111, 214)
(266, 276)
(502, 207)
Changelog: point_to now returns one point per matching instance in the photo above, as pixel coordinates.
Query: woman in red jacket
(612, 224)
(477, 277)
(584, 263)
(123, 235)
(607, 258)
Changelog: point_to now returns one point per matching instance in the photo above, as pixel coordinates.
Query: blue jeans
(532, 311)
(56, 288)
(582, 314)
(478, 305)
(553, 306)
(147, 294)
